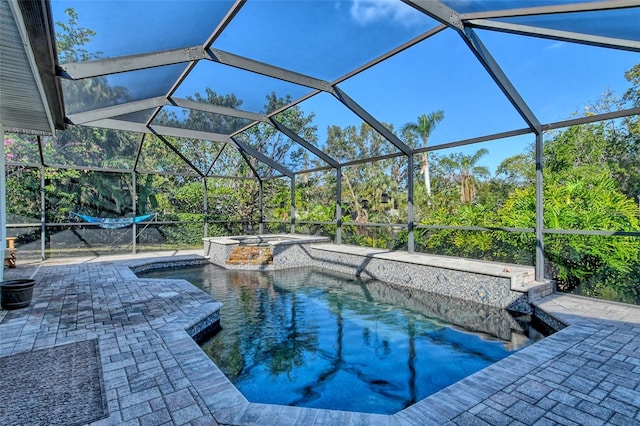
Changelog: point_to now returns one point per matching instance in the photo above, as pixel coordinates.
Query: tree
(632, 95)
(586, 198)
(422, 128)
(72, 38)
(274, 144)
(364, 181)
(466, 172)
(518, 171)
(71, 42)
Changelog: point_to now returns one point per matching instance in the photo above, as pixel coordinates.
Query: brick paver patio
(154, 373)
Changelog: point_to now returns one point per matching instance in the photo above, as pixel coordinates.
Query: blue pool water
(307, 337)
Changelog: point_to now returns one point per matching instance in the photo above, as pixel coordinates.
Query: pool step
(248, 255)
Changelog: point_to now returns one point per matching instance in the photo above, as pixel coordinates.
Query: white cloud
(365, 12)
(554, 46)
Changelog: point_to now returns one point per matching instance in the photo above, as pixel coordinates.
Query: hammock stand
(115, 222)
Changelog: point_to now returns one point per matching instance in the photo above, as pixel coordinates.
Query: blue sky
(327, 38)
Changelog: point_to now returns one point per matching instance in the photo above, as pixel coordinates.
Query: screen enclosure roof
(228, 74)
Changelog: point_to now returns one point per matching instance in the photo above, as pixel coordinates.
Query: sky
(326, 39)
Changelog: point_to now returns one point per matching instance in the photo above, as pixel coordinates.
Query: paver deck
(153, 372)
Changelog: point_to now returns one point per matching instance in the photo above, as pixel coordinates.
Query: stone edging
(229, 406)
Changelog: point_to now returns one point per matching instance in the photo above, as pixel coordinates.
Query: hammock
(113, 222)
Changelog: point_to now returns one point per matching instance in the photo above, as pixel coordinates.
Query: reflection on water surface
(307, 337)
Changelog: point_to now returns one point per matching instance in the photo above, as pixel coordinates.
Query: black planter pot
(16, 294)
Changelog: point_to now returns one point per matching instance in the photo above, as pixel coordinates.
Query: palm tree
(422, 129)
(466, 168)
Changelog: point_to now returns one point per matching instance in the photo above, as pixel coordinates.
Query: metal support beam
(134, 210)
(159, 101)
(247, 64)
(40, 151)
(411, 245)
(539, 265)
(43, 219)
(102, 67)
(43, 216)
(301, 141)
(224, 22)
(130, 126)
(500, 78)
(568, 36)
(339, 205)
(486, 138)
(438, 11)
(213, 163)
(261, 157)
(205, 206)
(179, 154)
(114, 111)
(246, 159)
(3, 203)
(217, 109)
(261, 207)
(370, 120)
(292, 210)
(584, 6)
(385, 56)
(139, 152)
(592, 118)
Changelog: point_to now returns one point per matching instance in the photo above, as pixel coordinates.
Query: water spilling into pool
(306, 337)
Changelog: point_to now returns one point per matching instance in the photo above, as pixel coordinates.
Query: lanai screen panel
(342, 134)
(322, 39)
(236, 88)
(280, 148)
(199, 120)
(589, 184)
(559, 79)
(21, 149)
(331, 41)
(445, 77)
(200, 153)
(157, 156)
(23, 183)
(140, 117)
(466, 6)
(100, 92)
(136, 27)
(230, 163)
(621, 24)
(81, 146)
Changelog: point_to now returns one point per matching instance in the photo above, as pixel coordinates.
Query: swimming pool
(307, 337)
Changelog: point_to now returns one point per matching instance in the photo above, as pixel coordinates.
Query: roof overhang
(30, 93)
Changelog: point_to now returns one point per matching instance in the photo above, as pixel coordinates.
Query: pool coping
(229, 406)
(518, 274)
(521, 278)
